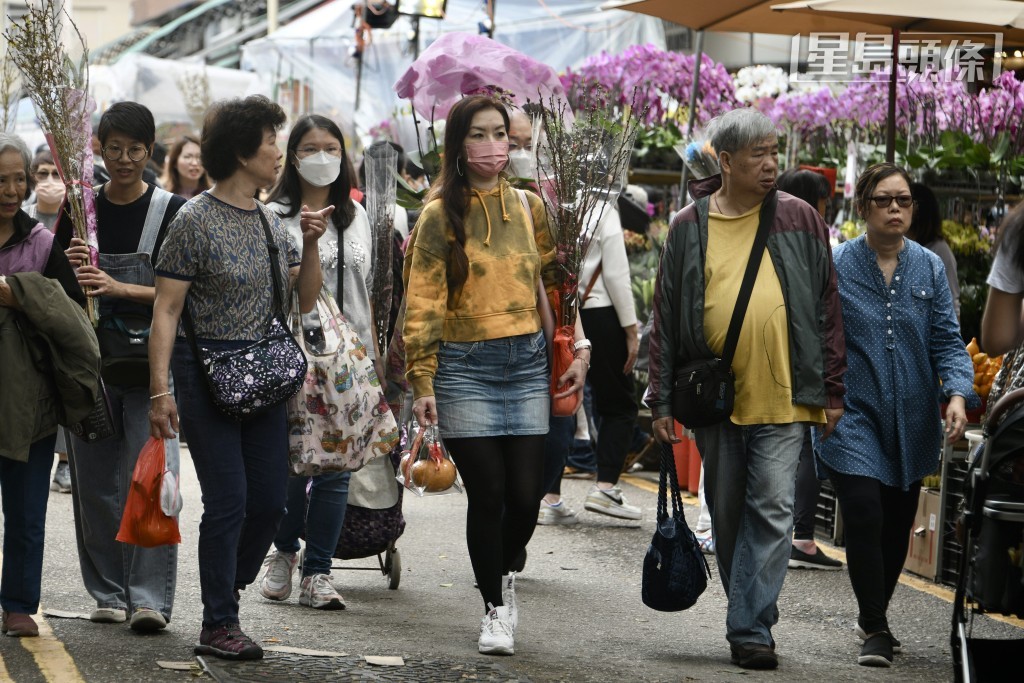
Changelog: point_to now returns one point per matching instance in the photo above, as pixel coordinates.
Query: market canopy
(308, 65)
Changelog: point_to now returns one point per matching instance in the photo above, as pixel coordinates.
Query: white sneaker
(318, 592)
(508, 596)
(556, 514)
(496, 633)
(108, 615)
(611, 502)
(276, 583)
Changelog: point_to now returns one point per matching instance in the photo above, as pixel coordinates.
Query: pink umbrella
(457, 64)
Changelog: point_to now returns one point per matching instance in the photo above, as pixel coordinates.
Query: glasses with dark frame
(43, 176)
(883, 201)
(135, 153)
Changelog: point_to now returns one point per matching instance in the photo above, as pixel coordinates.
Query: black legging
(614, 391)
(877, 521)
(808, 486)
(503, 477)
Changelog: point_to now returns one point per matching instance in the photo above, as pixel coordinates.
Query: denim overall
(119, 575)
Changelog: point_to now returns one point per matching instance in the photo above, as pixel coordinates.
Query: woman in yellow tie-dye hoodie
(475, 351)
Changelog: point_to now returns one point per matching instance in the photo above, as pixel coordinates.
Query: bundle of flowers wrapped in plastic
(581, 167)
(59, 90)
(699, 156)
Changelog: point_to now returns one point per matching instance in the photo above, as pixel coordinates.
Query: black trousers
(877, 519)
(614, 391)
(808, 486)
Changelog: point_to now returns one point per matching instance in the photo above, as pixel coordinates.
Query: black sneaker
(897, 646)
(877, 650)
(227, 642)
(798, 559)
(754, 656)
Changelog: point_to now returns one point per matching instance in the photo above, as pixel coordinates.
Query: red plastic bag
(561, 358)
(144, 522)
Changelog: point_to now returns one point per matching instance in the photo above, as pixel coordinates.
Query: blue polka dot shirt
(901, 339)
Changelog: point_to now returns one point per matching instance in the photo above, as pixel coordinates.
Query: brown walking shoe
(19, 625)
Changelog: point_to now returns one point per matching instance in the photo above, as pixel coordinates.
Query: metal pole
(490, 30)
(691, 117)
(415, 38)
(271, 16)
(890, 131)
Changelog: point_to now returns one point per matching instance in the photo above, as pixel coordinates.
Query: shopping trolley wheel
(393, 567)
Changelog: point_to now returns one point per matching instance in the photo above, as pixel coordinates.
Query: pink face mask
(487, 159)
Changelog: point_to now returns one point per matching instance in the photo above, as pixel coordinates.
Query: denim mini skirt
(495, 387)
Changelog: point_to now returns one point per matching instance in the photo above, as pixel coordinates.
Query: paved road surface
(581, 618)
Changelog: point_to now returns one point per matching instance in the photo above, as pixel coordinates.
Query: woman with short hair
(217, 261)
(26, 246)
(904, 356)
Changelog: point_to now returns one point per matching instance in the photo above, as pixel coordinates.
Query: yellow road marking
(922, 585)
(51, 656)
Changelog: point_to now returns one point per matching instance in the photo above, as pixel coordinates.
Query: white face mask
(320, 169)
(521, 164)
(50, 192)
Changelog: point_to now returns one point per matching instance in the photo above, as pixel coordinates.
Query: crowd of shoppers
(843, 359)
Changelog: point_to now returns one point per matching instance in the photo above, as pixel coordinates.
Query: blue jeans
(323, 519)
(119, 575)
(557, 448)
(242, 469)
(25, 490)
(750, 476)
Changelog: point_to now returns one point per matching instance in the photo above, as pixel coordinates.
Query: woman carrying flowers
(475, 351)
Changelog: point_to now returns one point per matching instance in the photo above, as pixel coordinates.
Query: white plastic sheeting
(308, 67)
(154, 82)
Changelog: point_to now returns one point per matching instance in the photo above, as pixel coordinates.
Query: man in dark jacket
(788, 365)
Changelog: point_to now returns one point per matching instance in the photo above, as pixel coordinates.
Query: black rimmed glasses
(883, 201)
(135, 153)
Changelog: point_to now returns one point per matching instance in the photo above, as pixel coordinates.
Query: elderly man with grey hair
(788, 365)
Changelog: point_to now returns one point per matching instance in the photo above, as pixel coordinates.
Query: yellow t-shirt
(764, 393)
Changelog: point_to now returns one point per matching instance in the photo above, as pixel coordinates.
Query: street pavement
(581, 618)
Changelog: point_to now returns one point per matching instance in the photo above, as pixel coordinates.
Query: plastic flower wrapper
(427, 468)
(380, 161)
(700, 157)
(58, 88)
(458, 64)
(581, 166)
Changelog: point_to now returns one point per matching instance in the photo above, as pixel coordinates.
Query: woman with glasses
(902, 341)
(184, 174)
(49, 190)
(316, 177)
(127, 582)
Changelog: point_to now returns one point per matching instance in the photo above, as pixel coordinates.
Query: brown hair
(869, 180)
(171, 179)
(452, 187)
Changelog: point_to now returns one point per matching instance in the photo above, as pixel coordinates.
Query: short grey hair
(9, 142)
(739, 129)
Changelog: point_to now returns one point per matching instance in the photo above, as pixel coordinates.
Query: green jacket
(49, 363)
(799, 248)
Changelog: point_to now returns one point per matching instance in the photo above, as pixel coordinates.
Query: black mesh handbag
(675, 571)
